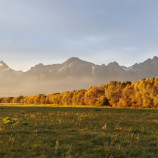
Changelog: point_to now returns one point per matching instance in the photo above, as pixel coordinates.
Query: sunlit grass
(43, 131)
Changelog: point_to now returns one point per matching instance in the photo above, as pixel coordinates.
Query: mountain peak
(72, 59)
(39, 65)
(155, 59)
(113, 64)
(3, 65)
(2, 62)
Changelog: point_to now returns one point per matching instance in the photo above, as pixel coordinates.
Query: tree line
(140, 94)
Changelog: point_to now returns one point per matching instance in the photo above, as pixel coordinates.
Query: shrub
(25, 123)
(8, 120)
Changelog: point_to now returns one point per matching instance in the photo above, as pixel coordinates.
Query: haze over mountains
(72, 74)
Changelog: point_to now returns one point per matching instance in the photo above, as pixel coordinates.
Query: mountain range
(74, 73)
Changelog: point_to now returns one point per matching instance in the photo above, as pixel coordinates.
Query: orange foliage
(143, 93)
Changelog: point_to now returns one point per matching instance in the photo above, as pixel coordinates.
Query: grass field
(60, 132)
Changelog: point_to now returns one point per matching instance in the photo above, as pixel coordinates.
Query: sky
(99, 31)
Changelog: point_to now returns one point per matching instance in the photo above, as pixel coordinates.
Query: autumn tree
(17, 99)
(102, 101)
(78, 97)
(92, 94)
(113, 92)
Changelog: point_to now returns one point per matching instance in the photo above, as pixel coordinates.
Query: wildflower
(104, 127)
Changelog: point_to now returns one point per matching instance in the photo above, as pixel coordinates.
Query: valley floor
(60, 132)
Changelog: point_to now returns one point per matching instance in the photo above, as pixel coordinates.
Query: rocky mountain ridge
(74, 73)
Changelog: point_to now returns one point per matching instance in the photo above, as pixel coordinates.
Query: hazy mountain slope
(147, 69)
(71, 74)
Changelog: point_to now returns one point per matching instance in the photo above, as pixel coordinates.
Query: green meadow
(46, 131)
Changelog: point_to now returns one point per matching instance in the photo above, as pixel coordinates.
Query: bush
(8, 120)
(25, 123)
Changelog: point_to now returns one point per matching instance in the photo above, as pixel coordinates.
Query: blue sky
(100, 31)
